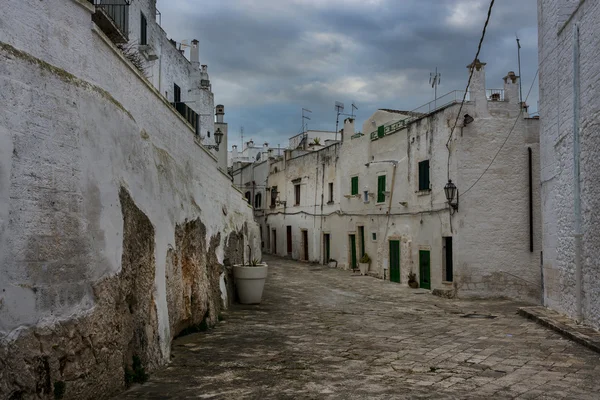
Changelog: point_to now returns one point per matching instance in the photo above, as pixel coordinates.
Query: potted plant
(250, 281)
(412, 280)
(363, 264)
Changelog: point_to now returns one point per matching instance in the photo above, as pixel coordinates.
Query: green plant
(255, 262)
(317, 141)
(365, 259)
(59, 389)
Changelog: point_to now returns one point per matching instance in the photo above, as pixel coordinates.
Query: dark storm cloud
(270, 58)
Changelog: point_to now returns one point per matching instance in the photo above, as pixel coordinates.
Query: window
(374, 236)
(297, 194)
(366, 196)
(257, 200)
(143, 29)
(273, 196)
(424, 175)
(176, 94)
(248, 198)
(381, 188)
(331, 192)
(354, 185)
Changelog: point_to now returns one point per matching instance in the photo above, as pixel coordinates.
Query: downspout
(530, 156)
(577, 189)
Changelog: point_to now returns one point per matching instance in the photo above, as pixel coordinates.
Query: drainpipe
(577, 188)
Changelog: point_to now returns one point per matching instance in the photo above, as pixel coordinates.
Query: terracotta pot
(413, 284)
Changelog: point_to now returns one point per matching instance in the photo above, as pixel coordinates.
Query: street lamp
(218, 138)
(451, 191)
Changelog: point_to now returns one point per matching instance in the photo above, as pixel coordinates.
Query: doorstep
(564, 325)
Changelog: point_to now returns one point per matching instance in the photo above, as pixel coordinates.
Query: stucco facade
(569, 74)
(115, 221)
(491, 233)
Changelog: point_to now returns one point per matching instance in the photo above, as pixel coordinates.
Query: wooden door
(353, 264)
(395, 261)
(424, 270)
(289, 239)
(448, 268)
(305, 245)
(327, 255)
(274, 241)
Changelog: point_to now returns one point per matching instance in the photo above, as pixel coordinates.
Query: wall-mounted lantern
(218, 138)
(451, 194)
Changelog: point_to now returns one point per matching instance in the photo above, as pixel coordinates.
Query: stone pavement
(322, 333)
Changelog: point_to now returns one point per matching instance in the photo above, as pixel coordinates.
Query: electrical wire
(507, 136)
(487, 20)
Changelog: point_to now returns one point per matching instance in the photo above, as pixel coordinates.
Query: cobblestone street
(322, 333)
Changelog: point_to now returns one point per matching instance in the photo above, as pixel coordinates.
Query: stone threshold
(564, 325)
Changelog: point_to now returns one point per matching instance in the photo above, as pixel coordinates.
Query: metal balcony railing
(112, 16)
(455, 96)
(495, 94)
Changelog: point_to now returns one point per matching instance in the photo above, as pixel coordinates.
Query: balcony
(112, 17)
(495, 94)
(190, 115)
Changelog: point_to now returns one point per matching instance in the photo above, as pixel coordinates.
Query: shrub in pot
(250, 281)
(363, 264)
(412, 280)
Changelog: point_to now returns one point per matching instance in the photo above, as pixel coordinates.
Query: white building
(569, 109)
(117, 220)
(251, 153)
(312, 140)
(382, 193)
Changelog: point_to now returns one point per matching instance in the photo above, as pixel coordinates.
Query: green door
(395, 261)
(424, 270)
(353, 264)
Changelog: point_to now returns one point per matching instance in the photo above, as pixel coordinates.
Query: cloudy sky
(268, 59)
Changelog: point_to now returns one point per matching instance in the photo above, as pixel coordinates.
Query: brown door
(305, 244)
(289, 240)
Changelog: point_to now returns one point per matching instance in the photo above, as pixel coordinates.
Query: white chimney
(220, 112)
(195, 52)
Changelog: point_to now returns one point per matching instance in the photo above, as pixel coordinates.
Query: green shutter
(381, 131)
(381, 188)
(354, 188)
(424, 175)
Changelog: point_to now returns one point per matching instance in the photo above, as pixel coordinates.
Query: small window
(381, 188)
(176, 94)
(143, 29)
(273, 196)
(374, 236)
(354, 185)
(248, 198)
(424, 175)
(297, 194)
(257, 200)
(331, 192)
(366, 196)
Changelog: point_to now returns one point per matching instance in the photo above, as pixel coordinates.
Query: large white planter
(250, 282)
(363, 267)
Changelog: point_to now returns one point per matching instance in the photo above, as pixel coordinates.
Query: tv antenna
(519, 60)
(339, 107)
(242, 137)
(304, 117)
(353, 108)
(434, 81)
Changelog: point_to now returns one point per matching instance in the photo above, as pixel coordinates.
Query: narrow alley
(323, 333)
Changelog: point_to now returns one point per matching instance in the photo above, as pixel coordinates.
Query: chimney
(220, 112)
(348, 129)
(251, 143)
(477, 88)
(234, 152)
(195, 52)
(511, 87)
(265, 146)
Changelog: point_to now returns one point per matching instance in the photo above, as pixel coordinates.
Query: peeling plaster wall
(556, 21)
(77, 127)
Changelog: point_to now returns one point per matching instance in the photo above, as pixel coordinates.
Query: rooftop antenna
(434, 81)
(242, 137)
(353, 108)
(305, 125)
(339, 107)
(519, 58)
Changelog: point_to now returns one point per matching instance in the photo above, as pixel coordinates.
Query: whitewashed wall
(557, 19)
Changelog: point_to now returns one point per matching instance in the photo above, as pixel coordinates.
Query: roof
(409, 113)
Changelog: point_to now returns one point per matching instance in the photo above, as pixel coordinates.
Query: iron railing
(495, 94)
(117, 11)
(455, 96)
(190, 115)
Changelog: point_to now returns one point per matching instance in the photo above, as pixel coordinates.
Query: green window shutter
(381, 131)
(424, 175)
(354, 188)
(381, 188)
